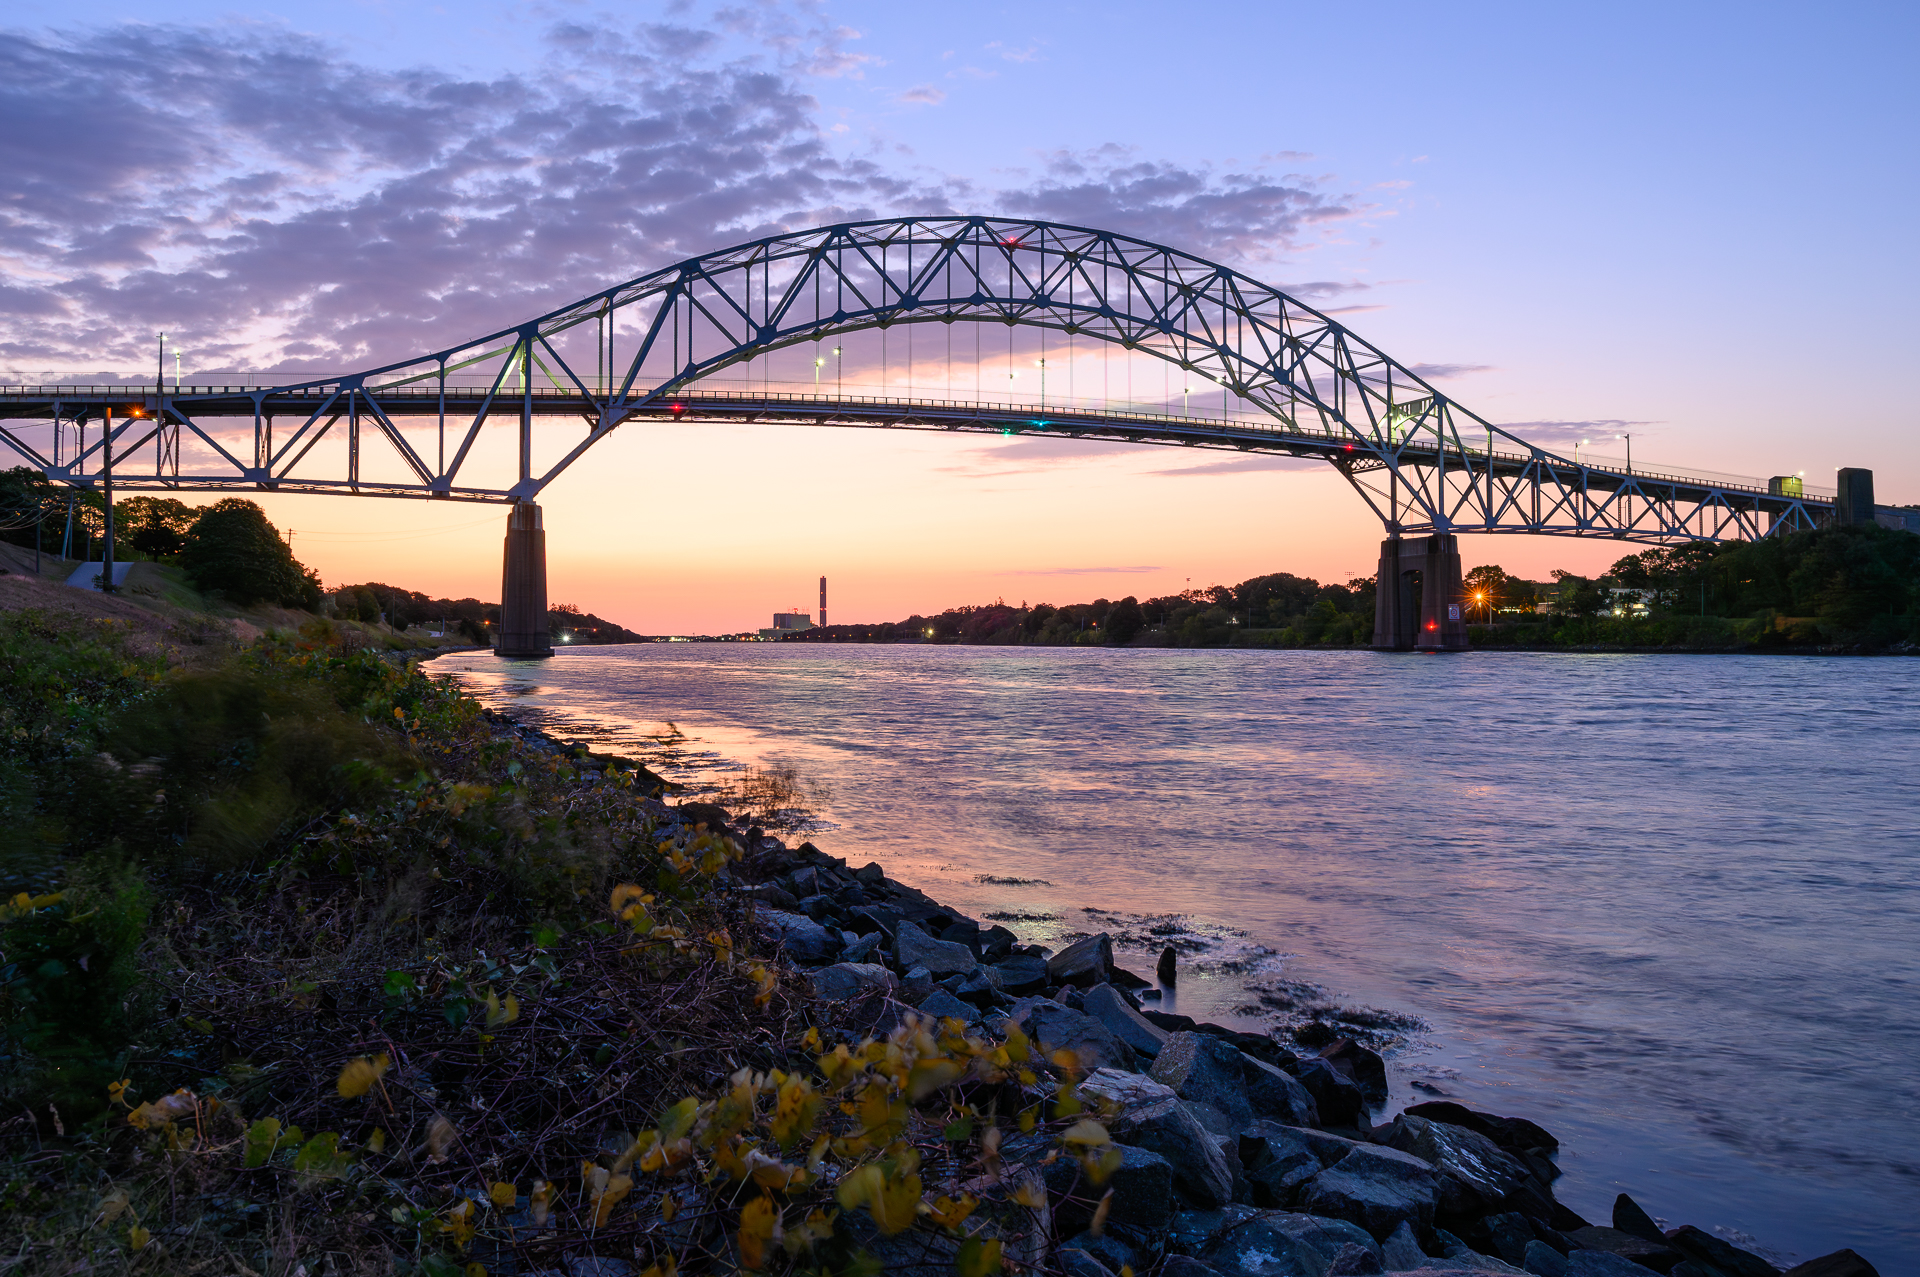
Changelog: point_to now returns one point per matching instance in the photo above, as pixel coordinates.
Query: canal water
(1668, 907)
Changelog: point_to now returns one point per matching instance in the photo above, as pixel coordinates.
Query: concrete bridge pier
(523, 586)
(1420, 596)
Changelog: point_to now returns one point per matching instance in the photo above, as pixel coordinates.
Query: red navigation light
(679, 407)
(1433, 625)
(1349, 447)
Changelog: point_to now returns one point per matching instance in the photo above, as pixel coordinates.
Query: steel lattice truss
(641, 349)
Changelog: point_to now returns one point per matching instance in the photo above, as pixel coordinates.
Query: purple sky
(1690, 222)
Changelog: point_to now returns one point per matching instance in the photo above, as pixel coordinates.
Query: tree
(26, 498)
(1125, 620)
(1579, 596)
(155, 526)
(232, 549)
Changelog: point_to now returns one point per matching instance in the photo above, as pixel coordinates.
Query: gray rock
(996, 943)
(1543, 1260)
(1083, 963)
(1628, 1217)
(1076, 1262)
(772, 893)
(944, 1005)
(913, 947)
(1279, 1159)
(1272, 1094)
(1055, 1028)
(1841, 1263)
(1142, 1190)
(1354, 1261)
(1216, 1122)
(1704, 1248)
(1338, 1099)
(1021, 974)
(803, 939)
(1104, 1003)
(1204, 1070)
(916, 986)
(1284, 1244)
(1510, 1233)
(1600, 1263)
(1656, 1255)
(862, 949)
(1110, 1250)
(1401, 1251)
(1475, 1174)
(1185, 1266)
(870, 874)
(845, 980)
(1191, 1231)
(977, 987)
(1376, 1188)
(1152, 1117)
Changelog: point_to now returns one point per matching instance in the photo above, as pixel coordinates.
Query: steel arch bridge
(652, 347)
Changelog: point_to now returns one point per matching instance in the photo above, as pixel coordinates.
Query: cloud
(276, 205)
(1247, 465)
(923, 95)
(1601, 430)
(1440, 372)
(1140, 570)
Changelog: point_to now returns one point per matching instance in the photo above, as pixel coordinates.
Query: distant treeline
(473, 618)
(1278, 610)
(1843, 586)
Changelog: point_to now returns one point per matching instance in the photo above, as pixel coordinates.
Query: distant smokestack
(823, 602)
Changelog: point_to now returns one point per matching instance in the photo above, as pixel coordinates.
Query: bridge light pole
(818, 364)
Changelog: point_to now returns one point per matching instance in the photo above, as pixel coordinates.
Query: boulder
(1104, 1003)
(1113, 1253)
(1152, 1117)
(1272, 1094)
(870, 874)
(712, 815)
(1511, 1133)
(862, 949)
(1655, 1255)
(803, 939)
(1510, 1235)
(943, 1005)
(1543, 1260)
(1376, 1188)
(1204, 1070)
(1020, 974)
(1338, 1099)
(1841, 1263)
(913, 947)
(977, 987)
(1142, 1190)
(845, 980)
(1083, 963)
(1354, 1260)
(1055, 1028)
(996, 944)
(1704, 1248)
(1600, 1263)
(1629, 1218)
(1401, 1251)
(1283, 1244)
(1279, 1159)
(1185, 1266)
(1367, 1070)
(1475, 1175)
(772, 893)
(916, 985)
(1076, 1262)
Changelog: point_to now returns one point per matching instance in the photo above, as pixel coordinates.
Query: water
(1666, 906)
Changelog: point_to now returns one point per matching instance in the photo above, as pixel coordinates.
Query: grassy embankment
(309, 967)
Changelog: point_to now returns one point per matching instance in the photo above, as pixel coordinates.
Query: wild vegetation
(308, 965)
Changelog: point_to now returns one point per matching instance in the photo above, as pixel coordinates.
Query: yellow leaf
(608, 1191)
(540, 1202)
(360, 1075)
(625, 894)
(1101, 1163)
(503, 1194)
(113, 1207)
(796, 1109)
(460, 1223)
(164, 1111)
(1099, 1224)
(377, 1142)
(138, 1237)
(1066, 1061)
(1030, 1193)
(758, 1219)
(1086, 1132)
(977, 1258)
(928, 1076)
(117, 1091)
(669, 1206)
(440, 1136)
(476, 1269)
(949, 1213)
(812, 1040)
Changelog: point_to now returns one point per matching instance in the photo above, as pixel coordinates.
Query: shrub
(234, 550)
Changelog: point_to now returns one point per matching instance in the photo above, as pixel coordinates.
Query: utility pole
(106, 471)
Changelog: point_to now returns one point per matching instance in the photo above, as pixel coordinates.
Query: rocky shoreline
(1238, 1156)
(1241, 1157)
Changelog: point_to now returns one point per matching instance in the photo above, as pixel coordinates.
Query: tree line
(230, 550)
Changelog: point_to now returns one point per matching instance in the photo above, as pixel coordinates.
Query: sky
(1686, 222)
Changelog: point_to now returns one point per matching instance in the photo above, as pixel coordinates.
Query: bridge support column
(1419, 596)
(523, 586)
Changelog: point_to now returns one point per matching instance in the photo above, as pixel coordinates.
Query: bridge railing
(1121, 412)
